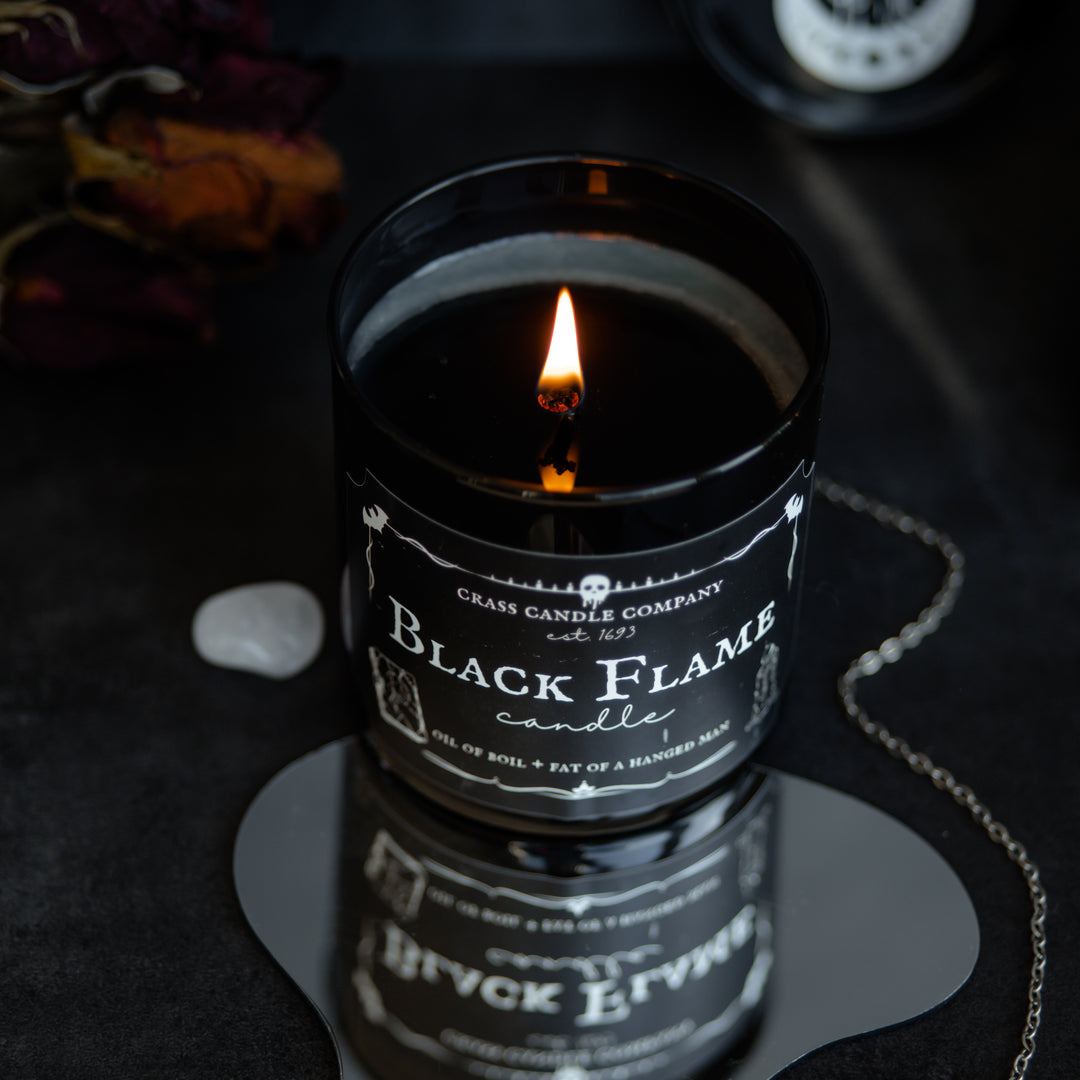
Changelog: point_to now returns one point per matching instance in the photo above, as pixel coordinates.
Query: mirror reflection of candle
(467, 952)
(559, 390)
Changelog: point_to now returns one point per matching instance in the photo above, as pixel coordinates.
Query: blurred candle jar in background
(862, 67)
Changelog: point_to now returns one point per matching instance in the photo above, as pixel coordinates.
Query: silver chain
(888, 652)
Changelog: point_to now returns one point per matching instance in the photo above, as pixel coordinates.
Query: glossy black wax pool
(666, 391)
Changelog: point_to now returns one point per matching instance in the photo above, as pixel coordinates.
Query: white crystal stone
(272, 628)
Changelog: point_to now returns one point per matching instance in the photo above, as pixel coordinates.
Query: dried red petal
(215, 205)
(241, 91)
(151, 28)
(45, 51)
(265, 92)
(177, 33)
(38, 290)
(207, 188)
(104, 302)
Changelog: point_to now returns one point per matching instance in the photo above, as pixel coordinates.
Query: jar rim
(534, 493)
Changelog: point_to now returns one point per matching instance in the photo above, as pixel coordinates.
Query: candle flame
(560, 390)
(561, 383)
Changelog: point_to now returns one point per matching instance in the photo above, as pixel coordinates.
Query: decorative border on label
(605, 965)
(376, 519)
(584, 790)
(576, 905)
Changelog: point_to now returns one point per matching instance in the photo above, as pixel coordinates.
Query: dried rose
(207, 188)
(75, 298)
(162, 30)
(44, 43)
(238, 90)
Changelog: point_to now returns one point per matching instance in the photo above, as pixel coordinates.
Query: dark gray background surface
(129, 496)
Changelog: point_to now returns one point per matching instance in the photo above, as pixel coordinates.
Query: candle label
(874, 46)
(572, 687)
(479, 970)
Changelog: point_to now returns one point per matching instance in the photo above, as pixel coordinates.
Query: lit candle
(573, 600)
(559, 390)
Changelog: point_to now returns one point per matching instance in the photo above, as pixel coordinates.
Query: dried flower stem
(14, 13)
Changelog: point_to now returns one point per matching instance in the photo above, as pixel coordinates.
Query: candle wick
(559, 399)
(557, 455)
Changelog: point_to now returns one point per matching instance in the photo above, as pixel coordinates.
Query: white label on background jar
(870, 46)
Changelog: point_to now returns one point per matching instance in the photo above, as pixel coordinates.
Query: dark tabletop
(128, 496)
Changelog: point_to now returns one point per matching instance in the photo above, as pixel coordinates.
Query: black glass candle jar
(597, 651)
(466, 951)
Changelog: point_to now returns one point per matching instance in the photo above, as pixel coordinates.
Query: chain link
(888, 652)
